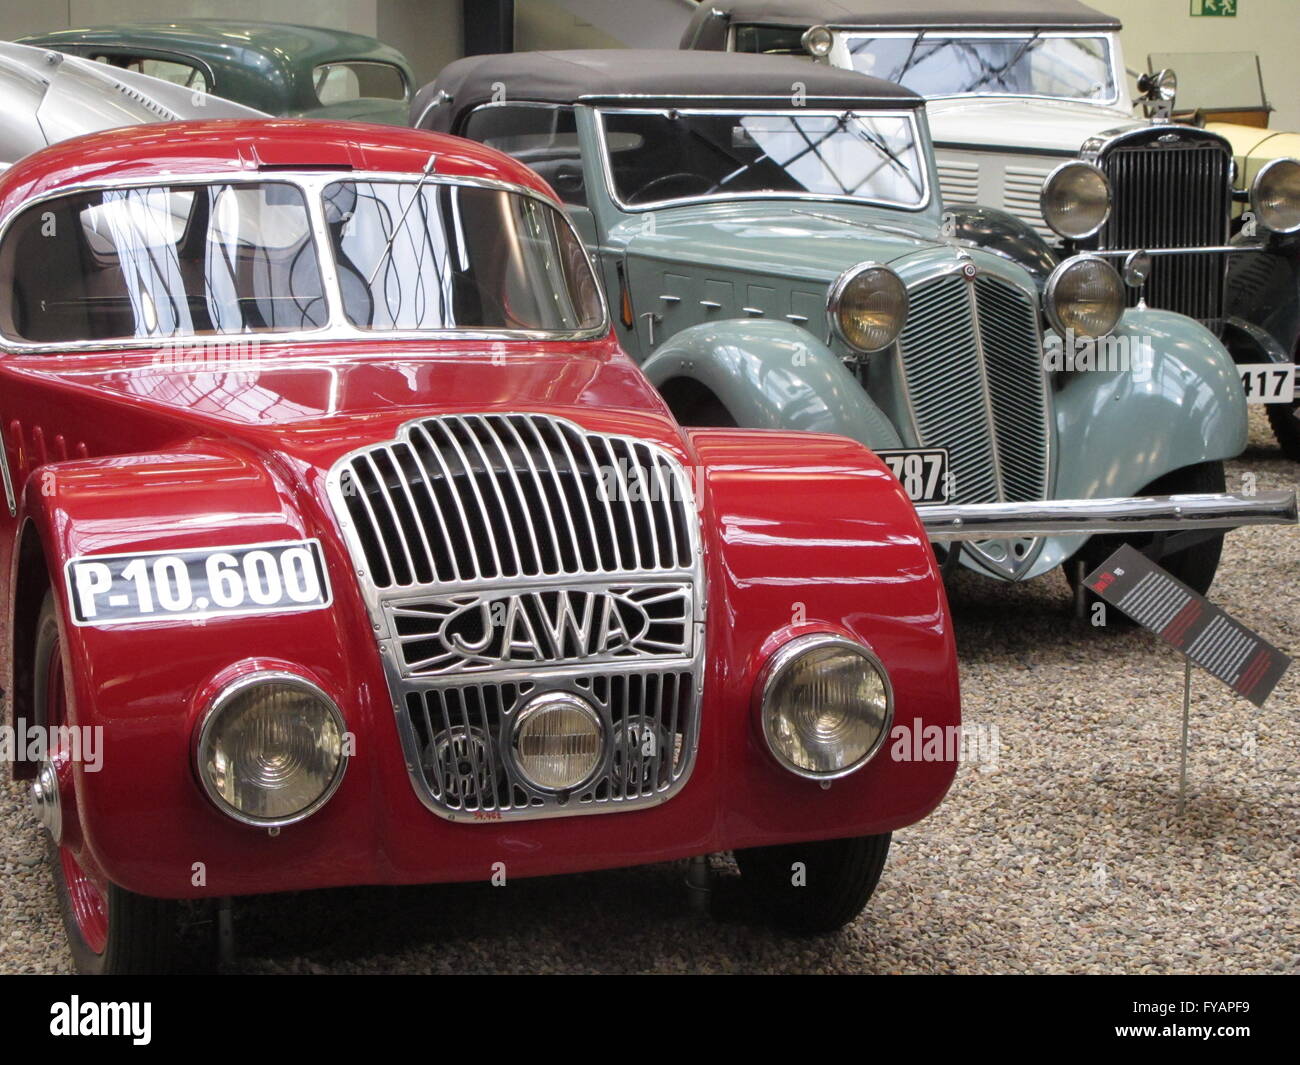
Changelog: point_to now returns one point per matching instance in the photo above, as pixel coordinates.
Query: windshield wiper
(392, 237)
(1009, 64)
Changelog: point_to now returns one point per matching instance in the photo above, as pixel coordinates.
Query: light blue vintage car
(771, 235)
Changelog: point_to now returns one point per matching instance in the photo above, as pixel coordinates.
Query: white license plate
(922, 471)
(1268, 382)
(199, 583)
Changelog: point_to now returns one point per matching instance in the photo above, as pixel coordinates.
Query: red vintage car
(343, 545)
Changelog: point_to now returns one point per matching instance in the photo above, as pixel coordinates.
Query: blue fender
(772, 375)
(1119, 430)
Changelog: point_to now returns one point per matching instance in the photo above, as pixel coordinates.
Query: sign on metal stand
(1205, 634)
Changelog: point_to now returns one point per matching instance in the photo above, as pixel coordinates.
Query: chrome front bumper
(1063, 517)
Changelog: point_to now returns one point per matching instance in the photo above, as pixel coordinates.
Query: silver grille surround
(647, 691)
(972, 372)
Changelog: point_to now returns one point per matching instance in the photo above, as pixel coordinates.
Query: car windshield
(162, 261)
(193, 260)
(1060, 66)
(415, 255)
(663, 156)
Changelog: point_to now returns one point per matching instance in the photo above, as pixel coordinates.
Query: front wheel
(1195, 565)
(816, 887)
(109, 929)
(1285, 420)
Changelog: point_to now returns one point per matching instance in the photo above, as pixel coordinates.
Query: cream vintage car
(1030, 112)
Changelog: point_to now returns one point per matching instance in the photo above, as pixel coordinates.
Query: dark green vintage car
(275, 67)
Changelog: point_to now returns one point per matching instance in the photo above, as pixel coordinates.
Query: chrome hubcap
(46, 803)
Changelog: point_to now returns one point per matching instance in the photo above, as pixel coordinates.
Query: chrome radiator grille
(487, 496)
(1173, 197)
(973, 372)
(506, 556)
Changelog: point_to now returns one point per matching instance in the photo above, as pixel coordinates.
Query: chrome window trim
(607, 170)
(209, 717)
(403, 682)
(786, 655)
(312, 184)
(1117, 76)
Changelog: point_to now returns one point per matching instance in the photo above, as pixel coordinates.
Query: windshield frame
(1117, 76)
(925, 155)
(337, 327)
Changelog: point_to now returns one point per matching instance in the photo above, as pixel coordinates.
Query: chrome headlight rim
(574, 701)
(1053, 283)
(786, 656)
(1255, 188)
(212, 714)
(1071, 164)
(835, 298)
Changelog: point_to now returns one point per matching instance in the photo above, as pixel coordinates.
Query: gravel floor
(1063, 855)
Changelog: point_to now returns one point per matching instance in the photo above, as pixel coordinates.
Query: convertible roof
(645, 75)
(709, 30)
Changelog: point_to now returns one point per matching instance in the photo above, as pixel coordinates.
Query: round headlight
(1085, 296)
(559, 741)
(868, 306)
(1276, 196)
(270, 749)
(825, 704)
(817, 41)
(1075, 200)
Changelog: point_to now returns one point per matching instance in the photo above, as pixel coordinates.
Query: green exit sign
(1221, 8)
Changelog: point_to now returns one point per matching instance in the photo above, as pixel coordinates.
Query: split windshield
(190, 260)
(658, 156)
(1017, 64)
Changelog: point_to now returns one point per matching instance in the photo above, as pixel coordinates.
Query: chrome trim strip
(311, 184)
(740, 197)
(1063, 517)
(643, 564)
(11, 501)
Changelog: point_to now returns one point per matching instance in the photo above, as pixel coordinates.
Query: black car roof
(709, 30)
(659, 76)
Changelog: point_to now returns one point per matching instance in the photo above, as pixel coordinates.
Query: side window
(337, 83)
(175, 71)
(541, 137)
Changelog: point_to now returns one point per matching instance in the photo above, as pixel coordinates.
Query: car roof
(173, 150)
(223, 40)
(633, 76)
(708, 26)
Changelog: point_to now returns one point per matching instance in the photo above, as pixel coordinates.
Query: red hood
(315, 403)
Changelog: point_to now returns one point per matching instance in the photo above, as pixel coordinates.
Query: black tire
(142, 932)
(839, 876)
(1195, 566)
(1286, 427)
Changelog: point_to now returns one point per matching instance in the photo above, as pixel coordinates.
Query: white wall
(1269, 27)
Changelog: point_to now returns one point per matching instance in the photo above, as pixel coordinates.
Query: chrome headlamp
(1084, 296)
(867, 306)
(1275, 195)
(825, 705)
(817, 41)
(270, 749)
(1075, 200)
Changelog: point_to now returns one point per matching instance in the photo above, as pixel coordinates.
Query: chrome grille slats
(508, 499)
(940, 353)
(1017, 388)
(1173, 195)
(587, 543)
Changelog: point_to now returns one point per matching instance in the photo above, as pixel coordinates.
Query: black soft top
(709, 30)
(659, 77)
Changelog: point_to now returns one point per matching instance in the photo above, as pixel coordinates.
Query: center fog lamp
(825, 705)
(559, 741)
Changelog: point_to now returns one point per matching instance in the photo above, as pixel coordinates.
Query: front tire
(1286, 427)
(110, 930)
(813, 888)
